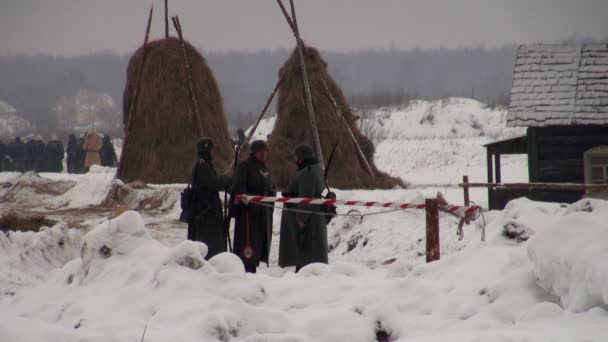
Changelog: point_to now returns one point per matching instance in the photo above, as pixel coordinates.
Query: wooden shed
(560, 93)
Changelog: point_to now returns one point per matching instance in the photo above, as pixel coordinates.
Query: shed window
(596, 165)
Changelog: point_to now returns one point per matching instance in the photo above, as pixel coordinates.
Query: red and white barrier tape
(461, 210)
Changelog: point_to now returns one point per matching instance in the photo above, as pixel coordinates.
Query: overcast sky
(68, 27)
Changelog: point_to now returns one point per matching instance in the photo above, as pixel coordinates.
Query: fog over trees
(39, 86)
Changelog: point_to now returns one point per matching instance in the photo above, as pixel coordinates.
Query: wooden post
(293, 23)
(467, 200)
(490, 180)
(134, 97)
(465, 187)
(166, 18)
(350, 132)
(193, 99)
(497, 168)
(490, 170)
(432, 230)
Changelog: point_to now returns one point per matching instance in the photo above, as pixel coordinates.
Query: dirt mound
(25, 223)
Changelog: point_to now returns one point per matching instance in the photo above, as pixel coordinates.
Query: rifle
(329, 162)
(227, 205)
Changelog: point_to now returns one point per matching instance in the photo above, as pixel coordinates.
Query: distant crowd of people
(33, 154)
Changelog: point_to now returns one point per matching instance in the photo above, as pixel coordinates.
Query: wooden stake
(467, 201)
(465, 187)
(140, 73)
(432, 230)
(166, 18)
(350, 131)
(293, 23)
(193, 99)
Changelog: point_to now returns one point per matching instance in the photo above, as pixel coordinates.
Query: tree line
(39, 86)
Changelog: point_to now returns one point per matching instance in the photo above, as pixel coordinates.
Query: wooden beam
(339, 113)
(465, 186)
(545, 186)
(166, 18)
(293, 23)
(190, 81)
(532, 154)
(432, 230)
(134, 97)
(490, 170)
(497, 168)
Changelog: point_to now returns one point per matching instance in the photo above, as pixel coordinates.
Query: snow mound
(25, 257)
(571, 257)
(448, 118)
(124, 280)
(139, 196)
(30, 185)
(102, 169)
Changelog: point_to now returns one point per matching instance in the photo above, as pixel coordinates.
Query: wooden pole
(467, 200)
(287, 17)
(465, 187)
(166, 18)
(497, 168)
(350, 131)
(193, 99)
(546, 186)
(293, 23)
(432, 230)
(140, 73)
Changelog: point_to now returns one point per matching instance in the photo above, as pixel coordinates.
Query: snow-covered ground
(540, 275)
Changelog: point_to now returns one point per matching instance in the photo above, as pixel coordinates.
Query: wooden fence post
(465, 187)
(432, 230)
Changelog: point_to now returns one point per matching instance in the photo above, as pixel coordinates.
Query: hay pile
(293, 127)
(164, 130)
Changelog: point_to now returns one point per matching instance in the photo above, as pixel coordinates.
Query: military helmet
(258, 145)
(304, 151)
(204, 145)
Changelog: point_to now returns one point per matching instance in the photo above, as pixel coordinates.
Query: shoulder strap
(194, 172)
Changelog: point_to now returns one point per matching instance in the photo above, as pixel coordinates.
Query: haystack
(293, 127)
(161, 141)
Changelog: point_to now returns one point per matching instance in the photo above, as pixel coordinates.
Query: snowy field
(540, 275)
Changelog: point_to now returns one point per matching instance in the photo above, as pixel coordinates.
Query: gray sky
(69, 27)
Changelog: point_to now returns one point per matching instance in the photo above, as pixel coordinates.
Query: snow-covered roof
(560, 85)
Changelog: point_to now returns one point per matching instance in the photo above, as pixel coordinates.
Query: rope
(325, 214)
(459, 231)
(471, 217)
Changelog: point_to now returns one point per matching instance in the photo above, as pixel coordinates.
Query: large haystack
(293, 127)
(161, 142)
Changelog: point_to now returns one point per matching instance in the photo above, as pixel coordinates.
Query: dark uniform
(71, 154)
(208, 219)
(108, 154)
(16, 152)
(53, 156)
(253, 223)
(80, 155)
(304, 235)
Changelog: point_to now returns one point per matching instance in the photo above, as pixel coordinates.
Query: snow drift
(571, 256)
(123, 280)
